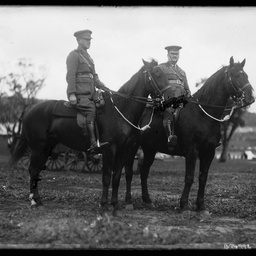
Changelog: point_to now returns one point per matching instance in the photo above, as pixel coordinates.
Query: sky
(123, 36)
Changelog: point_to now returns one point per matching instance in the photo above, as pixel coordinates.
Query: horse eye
(239, 73)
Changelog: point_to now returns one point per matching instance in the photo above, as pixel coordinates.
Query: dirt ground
(70, 217)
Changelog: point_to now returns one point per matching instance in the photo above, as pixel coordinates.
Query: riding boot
(94, 148)
(172, 139)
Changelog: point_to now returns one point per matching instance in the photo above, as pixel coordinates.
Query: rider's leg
(168, 122)
(91, 132)
(90, 125)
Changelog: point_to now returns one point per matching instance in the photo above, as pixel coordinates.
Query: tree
(17, 94)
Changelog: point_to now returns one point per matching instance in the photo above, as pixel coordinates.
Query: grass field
(70, 217)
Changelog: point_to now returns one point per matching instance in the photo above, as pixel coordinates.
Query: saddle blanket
(65, 109)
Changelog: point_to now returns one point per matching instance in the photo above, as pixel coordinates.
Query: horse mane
(208, 87)
(129, 86)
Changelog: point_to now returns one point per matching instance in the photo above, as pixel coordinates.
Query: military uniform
(82, 80)
(179, 86)
(176, 78)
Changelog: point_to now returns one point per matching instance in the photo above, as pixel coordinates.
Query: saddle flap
(65, 109)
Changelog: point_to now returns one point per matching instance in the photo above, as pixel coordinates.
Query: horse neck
(214, 94)
(133, 109)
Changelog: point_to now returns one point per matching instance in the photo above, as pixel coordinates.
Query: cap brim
(87, 38)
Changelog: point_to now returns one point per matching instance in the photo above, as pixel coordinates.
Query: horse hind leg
(37, 164)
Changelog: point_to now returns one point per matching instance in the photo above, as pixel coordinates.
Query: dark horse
(197, 128)
(117, 123)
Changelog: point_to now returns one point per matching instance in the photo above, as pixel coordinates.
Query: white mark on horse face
(33, 202)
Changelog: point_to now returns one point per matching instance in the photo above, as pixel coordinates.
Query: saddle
(65, 109)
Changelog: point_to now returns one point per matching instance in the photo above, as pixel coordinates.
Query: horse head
(157, 81)
(238, 85)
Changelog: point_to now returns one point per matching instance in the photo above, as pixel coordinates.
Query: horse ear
(243, 63)
(231, 62)
(145, 62)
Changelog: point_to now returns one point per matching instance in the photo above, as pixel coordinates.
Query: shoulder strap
(178, 75)
(87, 62)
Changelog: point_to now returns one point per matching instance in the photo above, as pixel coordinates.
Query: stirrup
(172, 140)
(95, 149)
(219, 144)
(104, 145)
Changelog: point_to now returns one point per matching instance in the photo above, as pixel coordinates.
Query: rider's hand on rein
(72, 99)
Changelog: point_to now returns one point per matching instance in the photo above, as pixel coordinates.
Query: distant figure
(178, 80)
(82, 80)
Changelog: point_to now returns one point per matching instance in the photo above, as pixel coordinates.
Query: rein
(137, 127)
(140, 99)
(226, 118)
(216, 106)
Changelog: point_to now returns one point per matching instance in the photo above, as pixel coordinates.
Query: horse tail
(19, 151)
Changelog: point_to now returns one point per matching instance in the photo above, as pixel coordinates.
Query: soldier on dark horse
(82, 80)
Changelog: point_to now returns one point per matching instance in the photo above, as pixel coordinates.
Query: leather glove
(72, 99)
(102, 86)
(189, 95)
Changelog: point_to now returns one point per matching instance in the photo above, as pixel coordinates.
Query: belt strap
(175, 82)
(90, 75)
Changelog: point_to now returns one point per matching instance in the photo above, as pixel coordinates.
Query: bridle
(158, 100)
(157, 97)
(239, 95)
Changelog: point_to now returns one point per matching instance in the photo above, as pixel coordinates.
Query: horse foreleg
(108, 160)
(117, 171)
(149, 157)
(128, 176)
(205, 162)
(190, 164)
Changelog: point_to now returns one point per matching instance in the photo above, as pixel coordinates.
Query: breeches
(87, 108)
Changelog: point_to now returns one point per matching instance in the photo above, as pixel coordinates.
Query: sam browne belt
(90, 75)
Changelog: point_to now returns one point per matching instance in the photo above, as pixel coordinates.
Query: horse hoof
(115, 213)
(37, 206)
(186, 213)
(149, 206)
(129, 207)
(103, 210)
(205, 213)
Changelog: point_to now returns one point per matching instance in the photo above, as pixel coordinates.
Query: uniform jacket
(78, 70)
(176, 74)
